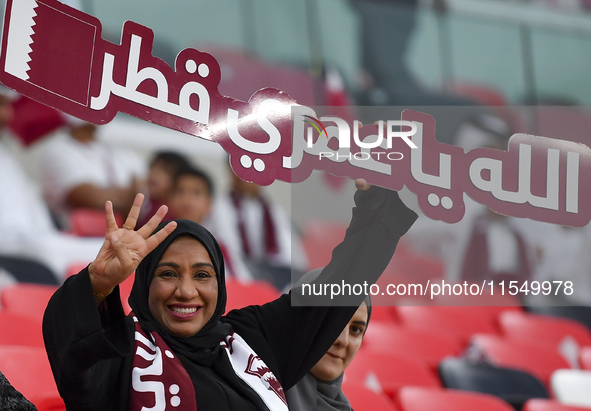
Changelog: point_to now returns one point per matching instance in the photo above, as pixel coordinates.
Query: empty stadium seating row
(437, 399)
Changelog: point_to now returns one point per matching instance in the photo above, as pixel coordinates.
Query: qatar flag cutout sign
(55, 54)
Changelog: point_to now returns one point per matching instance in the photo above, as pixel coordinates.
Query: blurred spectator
(497, 251)
(32, 121)
(260, 231)
(321, 388)
(566, 5)
(164, 167)
(483, 130)
(562, 255)
(449, 242)
(192, 195)
(191, 199)
(25, 222)
(387, 27)
(79, 170)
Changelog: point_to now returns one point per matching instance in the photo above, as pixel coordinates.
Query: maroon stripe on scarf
(158, 379)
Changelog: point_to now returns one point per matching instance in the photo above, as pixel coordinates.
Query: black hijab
(202, 348)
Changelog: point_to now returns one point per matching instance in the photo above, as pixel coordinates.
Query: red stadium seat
(419, 267)
(383, 314)
(585, 358)
(28, 371)
(29, 300)
(20, 330)
(424, 346)
(486, 306)
(578, 313)
(389, 371)
(443, 320)
(124, 291)
(319, 238)
(408, 267)
(541, 329)
(253, 293)
(421, 399)
(550, 405)
(400, 288)
(364, 399)
(124, 288)
(88, 222)
(483, 94)
(535, 359)
(75, 268)
(33, 121)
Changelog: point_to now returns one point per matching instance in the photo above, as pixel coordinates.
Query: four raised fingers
(151, 225)
(110, 217)
(134, 212)
(145, 232)
(155, 239)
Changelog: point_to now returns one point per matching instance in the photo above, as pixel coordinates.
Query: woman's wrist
(100, 291)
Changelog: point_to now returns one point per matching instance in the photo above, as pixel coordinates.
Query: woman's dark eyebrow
(203, 265)
(175, 265)
(360, 323)
(164, 263)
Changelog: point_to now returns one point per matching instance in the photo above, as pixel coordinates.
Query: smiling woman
(339, 356)
(177, 349)
(183, 293)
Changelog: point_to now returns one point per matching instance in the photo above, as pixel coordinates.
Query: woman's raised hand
(124, 248)
(362, 184)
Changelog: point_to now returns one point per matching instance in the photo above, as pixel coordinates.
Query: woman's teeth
(183, 310)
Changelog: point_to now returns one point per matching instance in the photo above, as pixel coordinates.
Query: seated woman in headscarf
(177, 350)
(321, 388)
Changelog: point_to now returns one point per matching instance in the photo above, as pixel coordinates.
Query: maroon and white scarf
(253, 371)
(159, 382)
